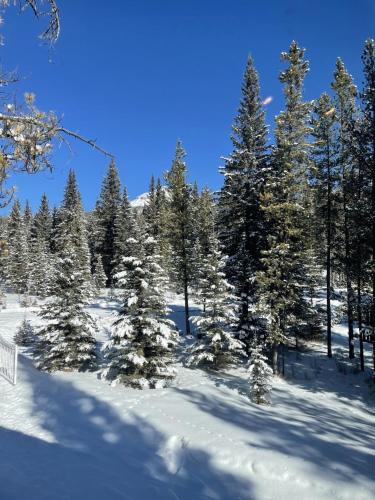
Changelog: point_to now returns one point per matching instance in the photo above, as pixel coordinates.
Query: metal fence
(8, 361)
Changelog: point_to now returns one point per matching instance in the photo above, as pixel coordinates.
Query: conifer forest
(194, 341)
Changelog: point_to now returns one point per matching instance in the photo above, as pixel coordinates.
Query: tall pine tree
(106, 211)
(282, 279)
(241, 220)
(181, 231)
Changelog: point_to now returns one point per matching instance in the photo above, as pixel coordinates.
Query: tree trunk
(275, 358)
(349, 288)
(186, 297)
(329, 237)
(359, 314)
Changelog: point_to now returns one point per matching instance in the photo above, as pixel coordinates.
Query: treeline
(290, 218)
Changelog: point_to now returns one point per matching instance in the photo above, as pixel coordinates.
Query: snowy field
(72, 436)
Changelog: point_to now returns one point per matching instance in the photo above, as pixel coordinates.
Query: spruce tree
(42, 224)
(150, 211)
(217, 346)
(17, 266)
(99, 275)
(66, 342)
(123, 230)
(40, 267)
(39, 250)
(205, 238)
(345, 94)
(324, 181)
(260, 376)
(27, 218)
(139, 352)
(106, 211)
(241, 220)
(282, 280)
(71, 223)
(367, 143)
(25, 335)
(181, 228)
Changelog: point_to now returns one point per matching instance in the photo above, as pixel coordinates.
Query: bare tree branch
(51, 129)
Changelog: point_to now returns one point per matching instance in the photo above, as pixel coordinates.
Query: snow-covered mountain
(140, 201)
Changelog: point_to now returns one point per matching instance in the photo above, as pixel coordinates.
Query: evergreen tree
(345, 96)
(160, 228)
(260, 376)
(181, 230)
(150, 211)
(42, 224)
(123, 230)
(139, 351)
(283, 277)
(17, 268)
(106, 211)
(99, 275)
(324, 182)
(27, 218)
(217, 346)
(204, 240)
(241, 220)
(67, 342)
(71, 225)
(25, 335)
(367, 143)
(40, 268)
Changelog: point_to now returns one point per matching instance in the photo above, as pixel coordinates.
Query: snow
(74, 436)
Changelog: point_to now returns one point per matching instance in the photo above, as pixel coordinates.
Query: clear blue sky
(138, 74)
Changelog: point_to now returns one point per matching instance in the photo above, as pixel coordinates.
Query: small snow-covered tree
(40, 268)
(99, 275)
(217, 346)
(25, 335)
(67, 342)
(260, 377)
(139, 352)
(17, 268)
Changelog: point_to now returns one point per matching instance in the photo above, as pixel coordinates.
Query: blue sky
(138, 74)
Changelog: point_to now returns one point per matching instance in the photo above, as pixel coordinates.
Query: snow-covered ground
(73, 436)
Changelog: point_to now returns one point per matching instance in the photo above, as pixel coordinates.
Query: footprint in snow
(173, 453)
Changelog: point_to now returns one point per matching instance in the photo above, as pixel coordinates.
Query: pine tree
(99, 275)
(181, 230)
(205, 237)
(150, 211)
(160, 228)
(25, 335)
(106, 212)
(345, 96)
(241, 220)
(141, 345)
(217, 346)
(42, 224)
(282, 280)
(71, 224)
(367, 146)
(17, 269)
(27, 218)
(260, 376)
(123, 230)
(40, 268)
(325, 179)
(67, 342)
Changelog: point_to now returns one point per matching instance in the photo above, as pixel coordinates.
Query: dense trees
(290, 215)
